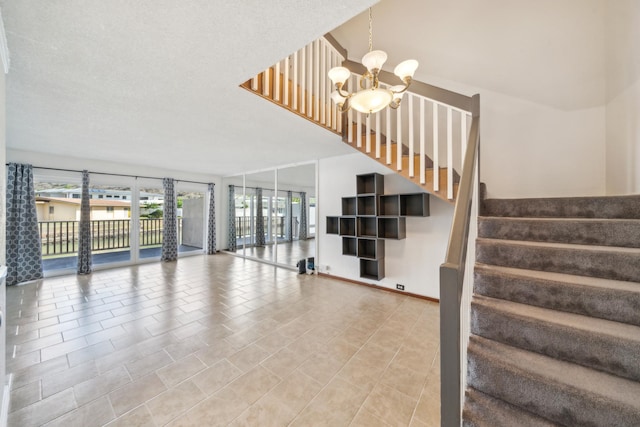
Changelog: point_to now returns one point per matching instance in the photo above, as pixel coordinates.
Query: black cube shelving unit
(371, 217)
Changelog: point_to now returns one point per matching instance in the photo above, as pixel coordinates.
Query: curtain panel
(23, 245)
(302, 234)
(84, 236)
(231, 243)
(288, 221)
(170, 223)
(259, 219)
(211, 222)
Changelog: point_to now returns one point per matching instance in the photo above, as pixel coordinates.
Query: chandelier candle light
(371, 98)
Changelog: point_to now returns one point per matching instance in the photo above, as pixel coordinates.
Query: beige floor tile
(336, 405)
(273, 342)
(131, 395)
(95, 387)
(94, 414)
(215, 352)
(139, 417)
(362, 373)
(216, 377)
(365, 418)
(403, 379)
(254, 384)
(44, 410)
(217, 410)
(248, 357)
(390, 405)
(148, 364)
(417, 359)
(321, 367)
(296, 391)
(58, 381)
(283, 362)
(25, 396)
(428, 408)
(180, 370)
(174, 402)
(266, 412)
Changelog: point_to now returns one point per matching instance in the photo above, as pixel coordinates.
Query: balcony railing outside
(245, 225)
(61, 237)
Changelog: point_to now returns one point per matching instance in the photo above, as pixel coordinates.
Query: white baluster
(286, 81)
(349, 125)
(399, 138)
(449, 154)
(276, 82)
(378, 135)
(323, 80)
(368, 135)
(295, 81)
(388, 135)
(254, 83)
(303, 80)
(436, 149)
(463, 134)
(423, 153)
(359, 130)
(411, 151)
(316, 77)
(310, 88)
(265, 88)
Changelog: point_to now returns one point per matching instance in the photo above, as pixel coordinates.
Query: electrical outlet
(399, 287)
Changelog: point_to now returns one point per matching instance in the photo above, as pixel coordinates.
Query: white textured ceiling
(155, 82)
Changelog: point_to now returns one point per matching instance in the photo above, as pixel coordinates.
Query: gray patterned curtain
(302, 235)
(24, 251)
(170, 226)
(84, 238)
(259, 219)
(231, 244)
(288, 220)
(211, 225)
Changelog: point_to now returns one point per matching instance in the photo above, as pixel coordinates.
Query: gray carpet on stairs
(556, 313)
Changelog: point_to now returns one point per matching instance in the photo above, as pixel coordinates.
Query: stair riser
(603, 264)
(481, 410)
(611, 304)
(560, 404)
(575, 207)
(602, 233)
(605, 352)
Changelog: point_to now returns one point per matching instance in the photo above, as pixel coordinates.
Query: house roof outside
(92, 202)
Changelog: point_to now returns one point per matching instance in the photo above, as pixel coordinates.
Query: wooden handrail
(452, 273)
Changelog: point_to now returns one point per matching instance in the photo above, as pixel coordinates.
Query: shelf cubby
(366, 226)
(371, 183)
(370, 249)
(347, 226)
(333, 224)
(392, 228)
(349, 206)
(389, 205)
(349, 246)
(416, 204)
(367, 206)
(370, 269)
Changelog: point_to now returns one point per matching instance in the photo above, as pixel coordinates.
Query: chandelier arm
(342, 92)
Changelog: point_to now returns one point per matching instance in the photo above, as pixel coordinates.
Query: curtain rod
(114, 174)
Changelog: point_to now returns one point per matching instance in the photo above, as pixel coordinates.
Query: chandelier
(371, 98)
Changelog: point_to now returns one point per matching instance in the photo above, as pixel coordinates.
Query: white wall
(414, 261)
(539, 67)
(623, 96)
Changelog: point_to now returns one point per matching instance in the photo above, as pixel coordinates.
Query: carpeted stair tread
(596, 343)
(603, 298)
(564, 392)
(591, 231)
(482, 410)
(585, 260)
(569, 207)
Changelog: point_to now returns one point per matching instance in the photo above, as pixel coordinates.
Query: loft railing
(61, 237)
(456, 282)
(430, 127)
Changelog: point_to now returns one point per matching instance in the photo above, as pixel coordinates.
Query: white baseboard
(6, 397)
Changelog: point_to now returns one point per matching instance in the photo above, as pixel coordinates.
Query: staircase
(555, 314)
(299, 83)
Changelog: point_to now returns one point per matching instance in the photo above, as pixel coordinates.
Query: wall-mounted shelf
(349, 246)
(371, 217)
(347, 226)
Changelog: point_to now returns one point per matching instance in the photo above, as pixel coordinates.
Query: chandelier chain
(370, 31)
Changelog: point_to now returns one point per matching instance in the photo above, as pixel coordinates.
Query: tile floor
(218, 340)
